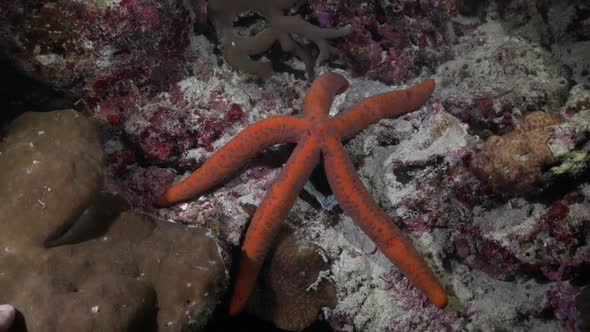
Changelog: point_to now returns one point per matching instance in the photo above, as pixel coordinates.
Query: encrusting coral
(292, 291)
(237, 49)
(316, 134)
(515, 162)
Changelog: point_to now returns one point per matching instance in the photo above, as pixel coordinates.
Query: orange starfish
(316, 133)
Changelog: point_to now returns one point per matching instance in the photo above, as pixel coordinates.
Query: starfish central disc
(322, 129)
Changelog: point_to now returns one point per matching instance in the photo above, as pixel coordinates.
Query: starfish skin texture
(318, 135)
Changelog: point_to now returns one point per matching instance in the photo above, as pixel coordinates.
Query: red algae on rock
(96, 48)
(391, 40)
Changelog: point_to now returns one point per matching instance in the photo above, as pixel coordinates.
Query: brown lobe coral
(77, 250)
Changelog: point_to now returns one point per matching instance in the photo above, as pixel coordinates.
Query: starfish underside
(317, 134)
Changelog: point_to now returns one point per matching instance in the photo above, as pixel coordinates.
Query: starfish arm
(386, 105)
(356, 202)
(263, 134)
(319, 98)
(270, 214)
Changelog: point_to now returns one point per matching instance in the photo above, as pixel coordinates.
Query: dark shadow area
(246, 322)
(20, 325)
(560, 186)
(19, 93)
(106, 207)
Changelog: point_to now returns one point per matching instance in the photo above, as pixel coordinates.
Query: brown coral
(515, 162)
(72, 260)
(291, 291)
(237, 49)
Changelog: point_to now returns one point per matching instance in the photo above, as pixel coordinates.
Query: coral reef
(539, 150)
(166, 102)
(76, 249)
(570, 142)
(237, 49)
(490, 84)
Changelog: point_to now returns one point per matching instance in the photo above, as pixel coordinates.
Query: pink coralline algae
(94, 49)
(116, 109)
(176, 129)
(165, 134)
(234, 114)
(441, 321)
(120, 162)
(139, 186)
(549, 245)
(561, 301)
(391, 40)
(212, 129)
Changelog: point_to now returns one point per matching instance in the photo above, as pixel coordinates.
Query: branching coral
(237, 49)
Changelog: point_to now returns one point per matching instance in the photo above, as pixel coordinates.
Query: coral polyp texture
(294, 287)
(317, 135)
(515, 161)
(237, 49)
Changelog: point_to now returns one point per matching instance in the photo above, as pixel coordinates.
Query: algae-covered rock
(570, 142)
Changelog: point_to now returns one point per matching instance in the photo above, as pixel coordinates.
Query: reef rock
(497, 77)
(96, 47)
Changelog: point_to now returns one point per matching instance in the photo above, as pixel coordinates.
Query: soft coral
(237, 49)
